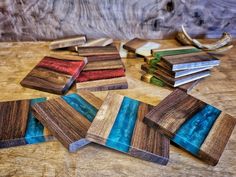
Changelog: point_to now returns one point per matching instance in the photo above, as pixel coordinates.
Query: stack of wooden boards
(96, 66)
(177, 67)
(120, 123)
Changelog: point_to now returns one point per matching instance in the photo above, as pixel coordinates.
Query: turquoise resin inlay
(193, 132)
(34, 130)
(122, 130)
(81, 105)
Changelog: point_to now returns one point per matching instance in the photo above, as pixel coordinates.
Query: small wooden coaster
(119, 125)
(197, 127)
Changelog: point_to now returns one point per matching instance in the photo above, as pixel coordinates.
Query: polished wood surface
(52, 159)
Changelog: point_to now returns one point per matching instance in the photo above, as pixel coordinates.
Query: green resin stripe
(160, 54)
(81, 105)
(194, 131)
(34, 130)
(122, 130)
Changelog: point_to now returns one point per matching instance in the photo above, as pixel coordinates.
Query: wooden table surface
(52, 159)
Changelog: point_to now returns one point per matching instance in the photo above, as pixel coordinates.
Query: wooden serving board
(190, 61)
(98, 42)
(18, 126)
(197, 127)
(103, 84)
(69, 117)
(119, 125)
(69, 42)
(54, 75)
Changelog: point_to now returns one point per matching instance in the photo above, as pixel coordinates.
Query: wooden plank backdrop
(119, 19)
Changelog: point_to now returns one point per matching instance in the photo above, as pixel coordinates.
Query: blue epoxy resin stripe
(81, 105)
(122, 130)
(193, 132)
(34, 130)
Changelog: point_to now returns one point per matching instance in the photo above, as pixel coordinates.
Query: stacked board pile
(94, 65)
(177, 67)
(104, 71)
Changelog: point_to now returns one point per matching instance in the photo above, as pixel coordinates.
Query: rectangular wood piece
(190, 61)
(18, 126)
(119, 125)
(197, 127)
(69, 42)
(103, 84)
(69, 117)
(54, 75)
(97, 50)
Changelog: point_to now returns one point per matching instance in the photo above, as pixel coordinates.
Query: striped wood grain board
(103, 84)
(54, 75)
(69, 117)
(119, 125)
(197, 127)
(69, 42)
(18, 126)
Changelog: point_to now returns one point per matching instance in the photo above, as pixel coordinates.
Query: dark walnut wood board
(97, 50)
(69, 117)
(119, 125)
(197, 127)
(18, 126)
(54, 75)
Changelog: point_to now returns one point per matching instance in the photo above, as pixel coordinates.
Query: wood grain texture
(103, 57)
(118, 19)
(190, 61)
(175, 82)
(103, 84)
(17, 59)
(97, 50)
(134, 44)
(69, 42)
(100, 74)
(53, 75)
(68, 118)
(102, 65)
(18, 126)
(119, 125)
(98, 42)
(201, 129)
(175, 74)
(149, 78)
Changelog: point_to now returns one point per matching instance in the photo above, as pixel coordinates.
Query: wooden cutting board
(103, 84)
(18, 126)
(102, 65)
(197, 127)
(69, 117)
(54, 75)
(119, 125)
(189, 61)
